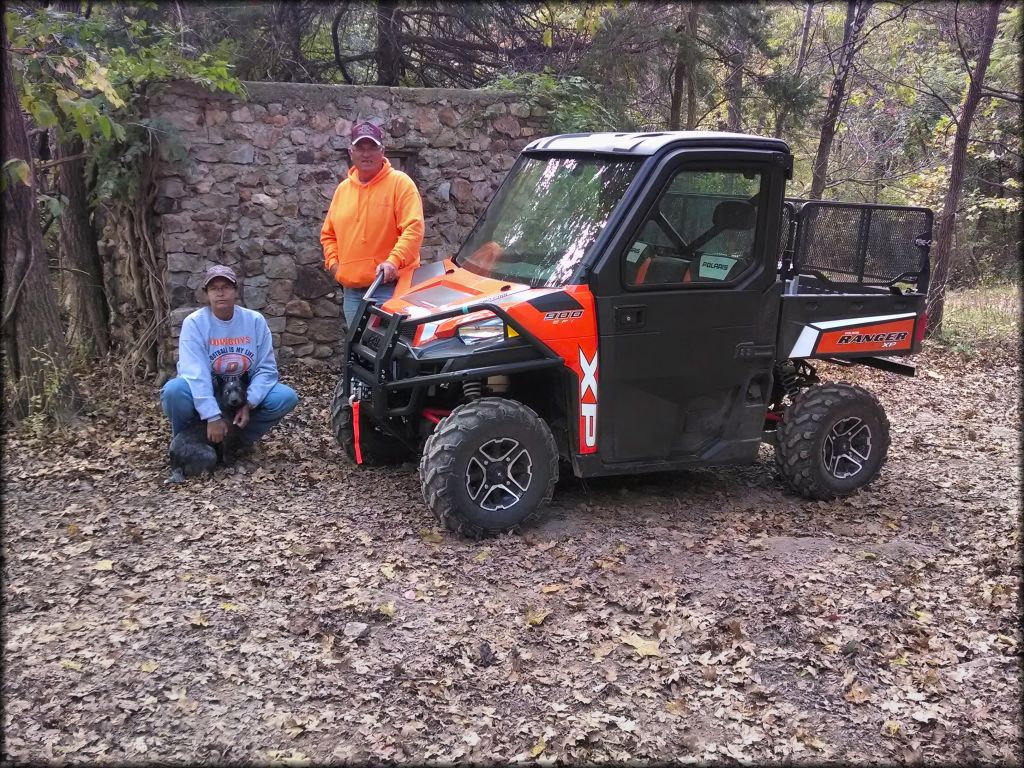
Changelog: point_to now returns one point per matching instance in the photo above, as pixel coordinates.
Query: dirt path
(300, 608)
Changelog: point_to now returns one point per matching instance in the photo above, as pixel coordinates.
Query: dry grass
(981, 321)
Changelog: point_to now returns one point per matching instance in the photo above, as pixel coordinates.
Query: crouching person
(225, 340)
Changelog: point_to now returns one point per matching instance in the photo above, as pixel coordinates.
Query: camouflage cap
(219, 270)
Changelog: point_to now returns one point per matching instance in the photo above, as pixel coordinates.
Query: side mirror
(734, 214)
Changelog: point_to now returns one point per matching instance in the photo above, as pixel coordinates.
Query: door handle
(634, 316)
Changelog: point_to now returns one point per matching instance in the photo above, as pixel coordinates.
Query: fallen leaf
(68, 664)
(890, 727)
(104, 565)
(552, 587)
(198, 620)
(482, 555)
(229, 607)
(149, 666)
(857, 694)
(538, 747)
(388, 609)
(643, 647)
(388, 570)
(536, 616)
(431, 536)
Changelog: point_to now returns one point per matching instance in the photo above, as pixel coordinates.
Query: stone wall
(259, 174)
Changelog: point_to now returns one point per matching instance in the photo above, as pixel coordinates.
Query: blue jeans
(350, 304)
(176, 399)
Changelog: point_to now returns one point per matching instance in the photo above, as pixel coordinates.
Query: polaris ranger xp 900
(634, 302)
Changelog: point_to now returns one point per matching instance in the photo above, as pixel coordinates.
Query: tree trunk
(691, 73)
(734, 87)
(389, 54)
(678, 85)
(856, 15)
(36, 356)
(80, 256)
(947, 218)
(780, 119)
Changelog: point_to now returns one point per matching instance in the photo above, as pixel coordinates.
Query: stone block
(342, 127)
(265, 200)
(519, 110)
(242, 115)
(254, 297)
(266, 137)
(298, 308)
(319, 122)
(461, 190)
(303, 350)
(292, 339)
(276, 324)
(182, 262)
(279, 267)
(314, 283)
(243, 155)
(324, 329)
(270, 219)
(288, 178)
(297, 326)
(322, 352)
(448, 117)
(297, 136)
(506, 125)
(326, 308)
(280, 292)
(214, 115)
(304, 157)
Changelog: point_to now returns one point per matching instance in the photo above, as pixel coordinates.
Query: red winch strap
(355, 431)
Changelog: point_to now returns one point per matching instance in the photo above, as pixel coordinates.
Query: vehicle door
(687, 301)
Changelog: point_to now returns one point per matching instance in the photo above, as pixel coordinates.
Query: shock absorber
(789, 379)
(471, 390)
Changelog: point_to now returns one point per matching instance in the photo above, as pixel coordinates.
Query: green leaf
(105, 126)
(15, 169)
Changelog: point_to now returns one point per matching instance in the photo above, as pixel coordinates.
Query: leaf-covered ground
(299, 608)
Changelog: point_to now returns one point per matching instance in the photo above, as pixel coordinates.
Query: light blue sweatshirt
(208, 345)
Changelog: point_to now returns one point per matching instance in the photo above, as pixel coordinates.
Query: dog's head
(230, 389)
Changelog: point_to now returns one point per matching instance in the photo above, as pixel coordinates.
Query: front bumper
(391, 378)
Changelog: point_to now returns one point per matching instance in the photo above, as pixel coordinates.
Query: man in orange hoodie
(374, 223)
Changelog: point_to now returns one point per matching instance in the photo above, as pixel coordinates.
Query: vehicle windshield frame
(608, 176)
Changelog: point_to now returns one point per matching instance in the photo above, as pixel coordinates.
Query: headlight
(481, 330)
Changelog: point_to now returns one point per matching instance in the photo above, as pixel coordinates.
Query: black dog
(191, 453)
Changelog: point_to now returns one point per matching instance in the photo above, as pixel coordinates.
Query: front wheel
(489, 467)
(832, 440)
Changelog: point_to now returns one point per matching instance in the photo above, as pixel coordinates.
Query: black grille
(867, 244)
(371, 339)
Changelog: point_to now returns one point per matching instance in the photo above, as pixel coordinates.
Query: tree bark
(947, 218)
(734, 86)
(856, 15)
(801, 61)
(34, 348)
(389, 54)
(79, 254)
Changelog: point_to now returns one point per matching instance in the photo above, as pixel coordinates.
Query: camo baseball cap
(367, 130)
(219, 270)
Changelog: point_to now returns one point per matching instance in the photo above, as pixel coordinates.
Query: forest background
(909, 103)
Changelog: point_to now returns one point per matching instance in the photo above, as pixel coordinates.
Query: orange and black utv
(633, 302)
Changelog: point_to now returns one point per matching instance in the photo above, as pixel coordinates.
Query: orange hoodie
(369, 223)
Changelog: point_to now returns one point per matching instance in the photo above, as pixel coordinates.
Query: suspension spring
(471, 390)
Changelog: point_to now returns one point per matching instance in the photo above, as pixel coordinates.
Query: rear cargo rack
(851, 246)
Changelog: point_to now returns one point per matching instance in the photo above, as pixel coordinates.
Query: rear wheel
(832, 441)
(376, 447)
(489, 467)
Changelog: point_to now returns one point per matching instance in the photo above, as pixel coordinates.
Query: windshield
(545, 218)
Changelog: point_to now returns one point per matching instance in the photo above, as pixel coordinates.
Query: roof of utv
(649, 143)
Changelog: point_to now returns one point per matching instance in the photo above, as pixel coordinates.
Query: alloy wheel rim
(498, 474)
(847, 448)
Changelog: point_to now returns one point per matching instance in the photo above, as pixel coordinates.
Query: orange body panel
(875, 337)
(570, 333)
